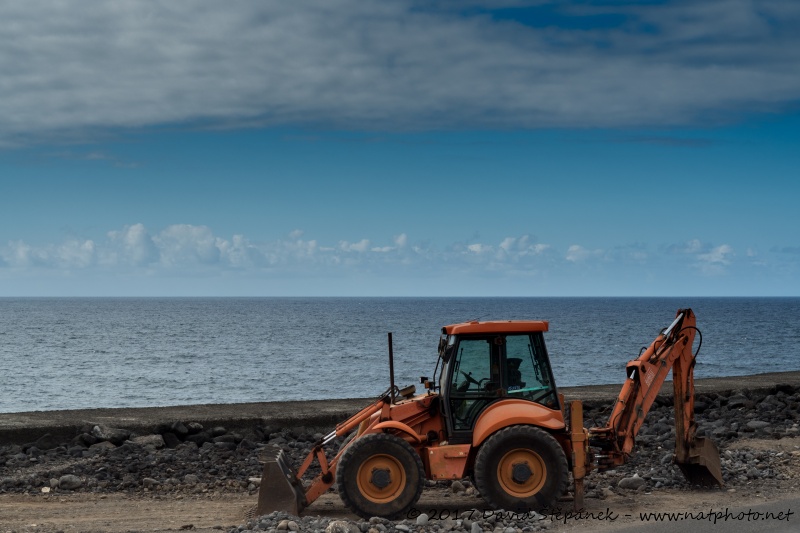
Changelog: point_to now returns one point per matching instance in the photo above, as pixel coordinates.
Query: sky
(404, 148)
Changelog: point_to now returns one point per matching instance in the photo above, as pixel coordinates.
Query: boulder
(170, 440)
(46, 442)
(757, 424)
(70, 482)
(194, 427)
(156, 441)
(631, 483)
(113, 435)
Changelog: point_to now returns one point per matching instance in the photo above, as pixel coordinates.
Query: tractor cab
(484, 362)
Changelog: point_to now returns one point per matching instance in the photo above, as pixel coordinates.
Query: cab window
(475, 380)
(527, 371)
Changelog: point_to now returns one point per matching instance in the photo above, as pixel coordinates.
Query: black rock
(179, 429)
(46, 442)
(194, 428)
(200, 438)
(87, 440)
(225, 445)
(171, 440)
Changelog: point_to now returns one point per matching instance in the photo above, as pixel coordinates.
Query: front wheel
(521, 469)
(380, 475)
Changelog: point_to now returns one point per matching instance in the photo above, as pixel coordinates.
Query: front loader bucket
(280, 489)
(703, 465)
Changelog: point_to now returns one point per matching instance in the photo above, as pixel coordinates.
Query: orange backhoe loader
(492, 412)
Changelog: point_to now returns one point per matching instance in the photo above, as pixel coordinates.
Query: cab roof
(496, 326)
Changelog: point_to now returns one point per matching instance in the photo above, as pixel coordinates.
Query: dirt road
(117, 513)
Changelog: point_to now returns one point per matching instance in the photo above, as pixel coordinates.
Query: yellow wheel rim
(521, 473)
(381, 478)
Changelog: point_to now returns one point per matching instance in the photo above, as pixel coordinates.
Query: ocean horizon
(96, 352)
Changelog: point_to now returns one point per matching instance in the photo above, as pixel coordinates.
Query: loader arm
(282, 489)
(698, 458)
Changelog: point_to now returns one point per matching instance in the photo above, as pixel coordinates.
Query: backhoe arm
(671, 350)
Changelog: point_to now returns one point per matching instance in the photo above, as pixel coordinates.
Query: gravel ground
(185, 458)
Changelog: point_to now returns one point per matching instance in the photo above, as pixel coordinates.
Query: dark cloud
(71, 67)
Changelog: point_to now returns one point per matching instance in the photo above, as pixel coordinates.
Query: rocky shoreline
(185, 458)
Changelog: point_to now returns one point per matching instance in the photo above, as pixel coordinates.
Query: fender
(514, 411)
(399, 426)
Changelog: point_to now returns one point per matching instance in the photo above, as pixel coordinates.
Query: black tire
(347, 440)
(399, 482)
(521, 469)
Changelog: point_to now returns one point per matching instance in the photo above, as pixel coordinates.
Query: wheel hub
(381, 478)
(521, 473)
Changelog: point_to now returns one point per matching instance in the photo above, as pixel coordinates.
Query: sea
(82, 353)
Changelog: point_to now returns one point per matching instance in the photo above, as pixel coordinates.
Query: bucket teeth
(280, 490)
(703, 466)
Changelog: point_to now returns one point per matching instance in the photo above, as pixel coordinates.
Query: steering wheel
(473, 380)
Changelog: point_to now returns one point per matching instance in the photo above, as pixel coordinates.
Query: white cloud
(719, 255)
(400, 242)
(238, 252)
(577, 253)
(19, 254)
(507, 243)
(133, 244)
(74, 253)
(360, 246)
(539, 248)
(522, 246)
(184, 243)
(693, 246)
(296, 234)
(710, 260)
(75, 66)
(195, 250)
(186, 246)
(479, 248)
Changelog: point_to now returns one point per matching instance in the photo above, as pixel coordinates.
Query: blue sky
(400, 148)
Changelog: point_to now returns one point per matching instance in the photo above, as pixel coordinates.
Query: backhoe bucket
(703, 465)
(280, 489)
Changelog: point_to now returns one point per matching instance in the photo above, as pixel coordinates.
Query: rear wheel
(380, 475)
(521, 468)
